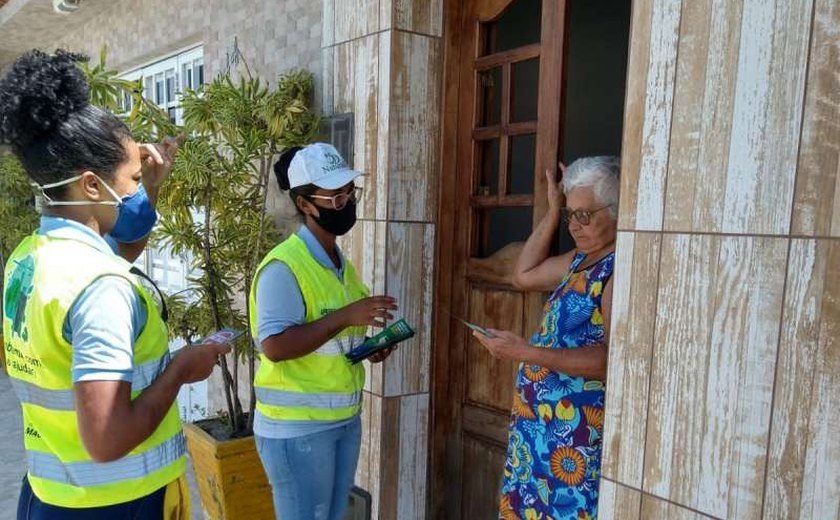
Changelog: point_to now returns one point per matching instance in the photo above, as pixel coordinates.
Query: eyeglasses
(583, 216)
(341, 200)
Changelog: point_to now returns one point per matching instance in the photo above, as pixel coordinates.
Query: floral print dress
(554, 444)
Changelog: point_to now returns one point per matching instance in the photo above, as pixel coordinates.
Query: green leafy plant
(18, 217)
(121, 96)
(214, 205)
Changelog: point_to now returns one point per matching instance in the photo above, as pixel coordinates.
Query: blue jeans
(149, 507)
(311, 476)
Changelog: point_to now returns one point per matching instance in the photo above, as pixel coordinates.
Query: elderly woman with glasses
(554, 443)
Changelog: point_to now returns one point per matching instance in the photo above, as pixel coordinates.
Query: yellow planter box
(231, 480)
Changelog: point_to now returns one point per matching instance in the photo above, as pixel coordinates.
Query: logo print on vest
(17, 294)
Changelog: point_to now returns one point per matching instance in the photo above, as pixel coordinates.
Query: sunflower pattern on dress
(554, 443)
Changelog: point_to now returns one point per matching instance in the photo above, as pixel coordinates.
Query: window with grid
(165, 80)
(507, 75)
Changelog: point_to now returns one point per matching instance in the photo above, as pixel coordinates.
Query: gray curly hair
(601, 173)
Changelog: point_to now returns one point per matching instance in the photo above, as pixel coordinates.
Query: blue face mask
(135, 214)
(135, 217)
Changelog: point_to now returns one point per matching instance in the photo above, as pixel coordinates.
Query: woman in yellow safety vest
(308, 308)
(87, 346)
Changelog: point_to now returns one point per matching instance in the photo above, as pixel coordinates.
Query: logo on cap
(333, 162)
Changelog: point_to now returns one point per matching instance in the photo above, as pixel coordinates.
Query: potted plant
(214, 213)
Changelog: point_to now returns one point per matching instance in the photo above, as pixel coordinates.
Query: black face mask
(337, 221)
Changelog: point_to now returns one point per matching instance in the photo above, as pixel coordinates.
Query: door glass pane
(499, 227)
(523, 149)
(519, 25)
(525, 82)
(488, 167)
(490, 92)
(595, 73)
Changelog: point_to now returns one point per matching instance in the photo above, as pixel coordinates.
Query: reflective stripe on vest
(144, 374)
(89, 474)
(63, 400)
(273, 397)
(322, 385)
(48, 274)
(339, 346)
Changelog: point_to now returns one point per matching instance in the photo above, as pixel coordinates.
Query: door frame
(444, 497)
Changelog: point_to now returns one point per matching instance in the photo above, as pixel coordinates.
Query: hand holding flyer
(477, 328)
(224, 336)
(395, 333)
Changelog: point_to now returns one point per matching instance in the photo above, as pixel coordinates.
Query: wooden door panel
(505, 135)
(496, 270)
(490, 380)
(483, 466)
(486, 424)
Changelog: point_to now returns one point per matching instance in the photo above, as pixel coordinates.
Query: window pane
(170, 86)
(523, 149)
(199, 74)
(148, 88)
(172, 114)
(490, 90)
(525, 83)
(519, 25)
(499, 227)
(488, 167)
(186, 77)
(159, 92)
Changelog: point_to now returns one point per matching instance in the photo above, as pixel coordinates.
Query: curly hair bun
(281, 167)
(40, 92)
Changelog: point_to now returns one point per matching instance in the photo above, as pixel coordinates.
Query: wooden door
(502, 112)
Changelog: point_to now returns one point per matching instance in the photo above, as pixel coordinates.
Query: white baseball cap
(320, 164)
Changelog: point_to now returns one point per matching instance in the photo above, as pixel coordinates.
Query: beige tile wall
(387, 65)
(803, 480)
(273, 36)
(618, 501)
(724, 350)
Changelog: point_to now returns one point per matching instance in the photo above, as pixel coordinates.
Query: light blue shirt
(280, 303)
(104, 322)
(280, 306)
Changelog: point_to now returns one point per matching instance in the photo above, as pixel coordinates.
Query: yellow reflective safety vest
(43, 277)
(322, 385)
